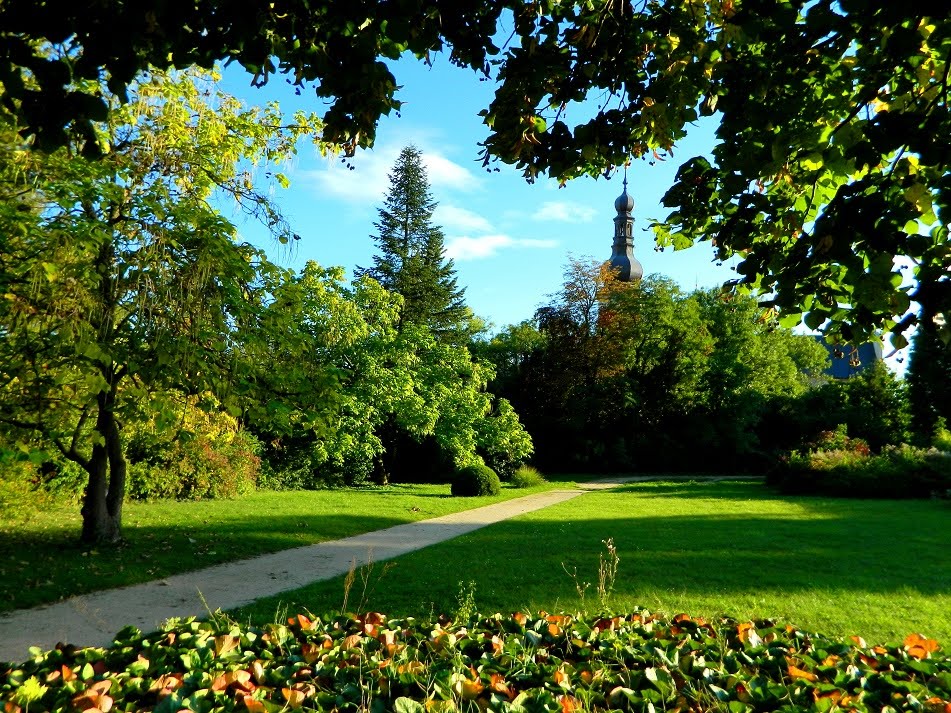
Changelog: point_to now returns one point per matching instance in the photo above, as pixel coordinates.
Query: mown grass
(42, 561)
(879, 569)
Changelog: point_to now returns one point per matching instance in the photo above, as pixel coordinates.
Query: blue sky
(510, 241)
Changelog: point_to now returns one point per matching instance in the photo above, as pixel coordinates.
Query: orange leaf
(499, 685)
(496, 645)
(559, 619)
(799, 673)
(294, 698)
(554, 630)
(11, 707)
(830, 660)
(303, 621)
(587, 677)
(744, 631)
(253, 705)
(569, 704)
(466, 689)
(311, 652)
(919, 647)
(682, 617)
(519, 618)
(413, 667)
(859, 641)
(937, 705)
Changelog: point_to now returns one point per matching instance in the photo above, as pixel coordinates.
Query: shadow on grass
(38, 567)
(887, 553)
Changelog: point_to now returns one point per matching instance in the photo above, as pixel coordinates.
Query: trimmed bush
(527, 477)
(476, 479)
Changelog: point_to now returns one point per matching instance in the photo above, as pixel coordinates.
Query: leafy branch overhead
(828, 178)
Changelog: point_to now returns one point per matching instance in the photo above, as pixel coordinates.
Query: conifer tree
(410, 261)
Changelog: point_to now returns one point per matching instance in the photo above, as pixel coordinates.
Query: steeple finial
(625, 178)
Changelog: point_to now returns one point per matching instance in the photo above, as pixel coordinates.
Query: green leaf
(408, 705)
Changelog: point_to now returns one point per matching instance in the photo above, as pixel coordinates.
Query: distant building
(622, 249)
(847, 360)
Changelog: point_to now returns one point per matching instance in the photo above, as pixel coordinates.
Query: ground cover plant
(509, 664)
(41, 559)
(873, 568)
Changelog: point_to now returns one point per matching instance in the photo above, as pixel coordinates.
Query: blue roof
(847, 360)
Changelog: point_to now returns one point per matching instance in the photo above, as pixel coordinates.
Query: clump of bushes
(634, 662)
(525, 476)
(838, 465)
(476, 479)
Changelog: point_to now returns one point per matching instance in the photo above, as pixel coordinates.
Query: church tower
(622, 250)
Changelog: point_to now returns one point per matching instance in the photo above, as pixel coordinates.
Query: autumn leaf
(920, 647)
(253, 705)
(799, 673)
(569, 704)
(95, 697)
(352, 641)
(499, 685)
(225, 644)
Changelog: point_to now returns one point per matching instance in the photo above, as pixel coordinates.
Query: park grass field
(875, 568)
(42, 561)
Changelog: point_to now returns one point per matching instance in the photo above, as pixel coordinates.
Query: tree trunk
(102, 505)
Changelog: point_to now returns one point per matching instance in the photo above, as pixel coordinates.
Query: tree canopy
(831, 154)
(121, 278)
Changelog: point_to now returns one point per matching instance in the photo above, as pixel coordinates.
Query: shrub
(942, 436)
(897, 472)
(527, 477)
(191, 468)
(476, 479)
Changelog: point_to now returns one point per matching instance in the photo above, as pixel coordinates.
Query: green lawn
(42, 561)
(879, 569)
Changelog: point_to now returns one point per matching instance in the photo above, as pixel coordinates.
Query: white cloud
(457, 219)
(565, 211)
(444, 173)
(369, 179)
(466, 248)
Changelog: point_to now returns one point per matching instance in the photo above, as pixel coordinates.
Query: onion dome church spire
(622, 250)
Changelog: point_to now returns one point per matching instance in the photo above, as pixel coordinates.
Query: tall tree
(122, 279)
(929, 380)
(411, 260)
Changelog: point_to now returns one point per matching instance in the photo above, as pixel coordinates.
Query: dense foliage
(122, 280)
(818, 204)
(389, 376)
(159, 356)
(511, 664)
(618, 376)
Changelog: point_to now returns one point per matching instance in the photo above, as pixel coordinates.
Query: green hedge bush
(476, 479)
(501, 664)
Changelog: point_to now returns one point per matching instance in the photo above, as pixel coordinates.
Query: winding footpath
(93, 619)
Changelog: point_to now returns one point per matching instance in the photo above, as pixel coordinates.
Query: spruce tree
(410, 261)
